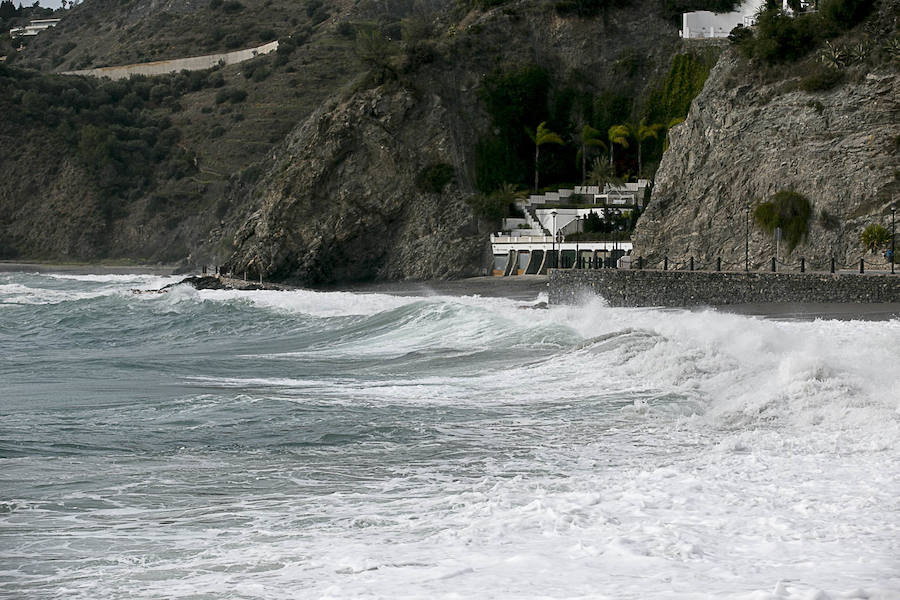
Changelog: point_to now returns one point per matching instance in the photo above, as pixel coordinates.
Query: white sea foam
(46, 289)
(338, 304)
(464, 448)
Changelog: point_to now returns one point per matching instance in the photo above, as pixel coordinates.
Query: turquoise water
(346, 445)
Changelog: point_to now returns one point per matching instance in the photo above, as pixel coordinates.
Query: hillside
(807, 140)
(169, 168)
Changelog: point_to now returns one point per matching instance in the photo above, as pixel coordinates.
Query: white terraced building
(33, 28)
(537, 241)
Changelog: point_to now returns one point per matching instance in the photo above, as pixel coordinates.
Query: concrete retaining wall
(176, 65)
(703, 288)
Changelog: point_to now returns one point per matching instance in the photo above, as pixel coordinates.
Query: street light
(553, 241)
(577, 230)
(893, 210)
(747, 238)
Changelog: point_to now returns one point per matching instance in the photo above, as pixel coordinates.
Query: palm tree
(874, 236)
(640, 132)
(602, 174)
(542, 136)
(618, 134)
(589, 137)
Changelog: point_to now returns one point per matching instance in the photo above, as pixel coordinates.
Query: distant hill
(359, 150)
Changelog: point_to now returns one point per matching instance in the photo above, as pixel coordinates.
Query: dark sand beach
(525, 288)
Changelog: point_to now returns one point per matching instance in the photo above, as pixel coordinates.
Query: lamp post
(747, 238)
(577, 231)
(553, 241)
(893, 211)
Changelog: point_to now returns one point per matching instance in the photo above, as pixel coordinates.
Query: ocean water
(211, 445)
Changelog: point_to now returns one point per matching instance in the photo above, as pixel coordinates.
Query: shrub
(875, 236)
(844, 14)
(346, 29)
(783, 38)
(232, 6)
(788, 210)
(261, 74)
(489, 206)
(434, 178)
(740, 35)
(820, 80)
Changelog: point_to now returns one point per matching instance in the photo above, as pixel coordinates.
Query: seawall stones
(622, 287)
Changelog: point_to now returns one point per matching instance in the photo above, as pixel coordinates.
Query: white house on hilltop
(33, 28)
(703, 24)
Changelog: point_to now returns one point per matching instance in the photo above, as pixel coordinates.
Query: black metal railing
(694, 263)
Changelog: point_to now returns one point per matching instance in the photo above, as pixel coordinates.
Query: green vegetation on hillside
(685, 79)
(518, 99)
(784, 38)
(105, 125)
(788, 211)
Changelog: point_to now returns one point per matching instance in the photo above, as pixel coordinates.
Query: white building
(538, 241)
(33, 28)
(703, 24)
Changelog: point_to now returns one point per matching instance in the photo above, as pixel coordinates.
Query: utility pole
(893, 210)
(747, 238)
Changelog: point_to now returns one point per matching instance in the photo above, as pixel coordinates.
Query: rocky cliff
(341, 200)
(744, 140)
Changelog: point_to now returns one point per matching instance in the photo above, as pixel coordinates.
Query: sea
(355, 444)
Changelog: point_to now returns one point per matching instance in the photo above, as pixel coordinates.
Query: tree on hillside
(602, 174)
(375, 52)
(640, 132)
(589, 137)
(618, 134)
(8, 10)
(543, 135)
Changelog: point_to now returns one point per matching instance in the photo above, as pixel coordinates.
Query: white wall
(193, 63)
(705, 24)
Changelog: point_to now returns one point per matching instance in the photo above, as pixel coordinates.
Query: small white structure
(33, 28)
(703, 24)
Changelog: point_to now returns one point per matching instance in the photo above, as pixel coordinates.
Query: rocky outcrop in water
(742, 142)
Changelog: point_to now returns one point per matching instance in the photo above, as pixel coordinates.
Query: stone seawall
(622, 287)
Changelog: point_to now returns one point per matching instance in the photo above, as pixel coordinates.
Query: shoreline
(521, 288)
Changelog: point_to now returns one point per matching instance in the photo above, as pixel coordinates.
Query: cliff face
(341, 202)
(743, 142)
(341, 198)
